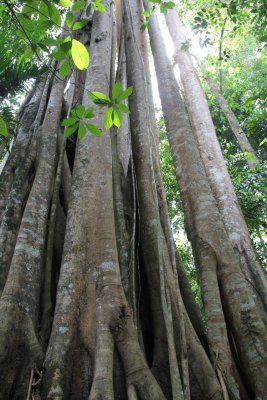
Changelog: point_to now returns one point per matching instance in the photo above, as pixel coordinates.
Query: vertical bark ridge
(120, 184)
(27, 116)
(149, 214)
(200, 389)
(170, 254)
(19, 173)
(161, 198)
(46, 301)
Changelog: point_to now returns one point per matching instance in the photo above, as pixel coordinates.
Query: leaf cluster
(38, 21)
(78, 121)
(8, 126)
(163, 7)
(113, 117)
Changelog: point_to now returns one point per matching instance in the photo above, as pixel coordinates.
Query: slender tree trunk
(238, 132)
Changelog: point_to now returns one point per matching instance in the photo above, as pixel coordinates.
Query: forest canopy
(133, 199)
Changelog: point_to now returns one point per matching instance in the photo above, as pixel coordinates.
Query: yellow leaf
(79, 55)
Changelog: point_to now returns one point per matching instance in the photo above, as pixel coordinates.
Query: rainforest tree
(95, 303)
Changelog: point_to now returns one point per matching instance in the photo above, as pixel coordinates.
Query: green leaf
(163, 8)
(108, 121)
(78, 5)
(69, 19)
(79, 54)
(81, 131)
(247, 156)
(28, 53)
(70, 130)
(67, 39)
(123, 108)
(80, 110)
(3, 127)
(99, 98)
(73, 112)
(89, 113)
(263, 141)
(64, 69)
(116, 90)
(169, 4)
(263, 38)
(94, 130)
(144, 26)
(126, 93)
(117, 118)
(66, 45)
(50, 42)
(69, 121)
(79, 24)
(98, 95)
(44, 25)
(54, 14)
(145, 13)
(58, 55)
(98, 6)
(65, 3)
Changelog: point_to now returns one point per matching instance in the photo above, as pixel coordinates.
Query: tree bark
(212, 249)
(215, 167)
(20, 297)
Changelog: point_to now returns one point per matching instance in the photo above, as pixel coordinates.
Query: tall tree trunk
(215, 167)
(20, 297)
(90, 278)
(213, 250)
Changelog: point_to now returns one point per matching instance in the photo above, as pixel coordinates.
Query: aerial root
(102, 387)
(131, 393)
(20, 352)
(34, 382)
(141, 383)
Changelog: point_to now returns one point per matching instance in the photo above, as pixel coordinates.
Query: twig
(30, 385)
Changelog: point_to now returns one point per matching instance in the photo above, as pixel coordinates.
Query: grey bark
(215, 167)
(213, 251)
(20, 297)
